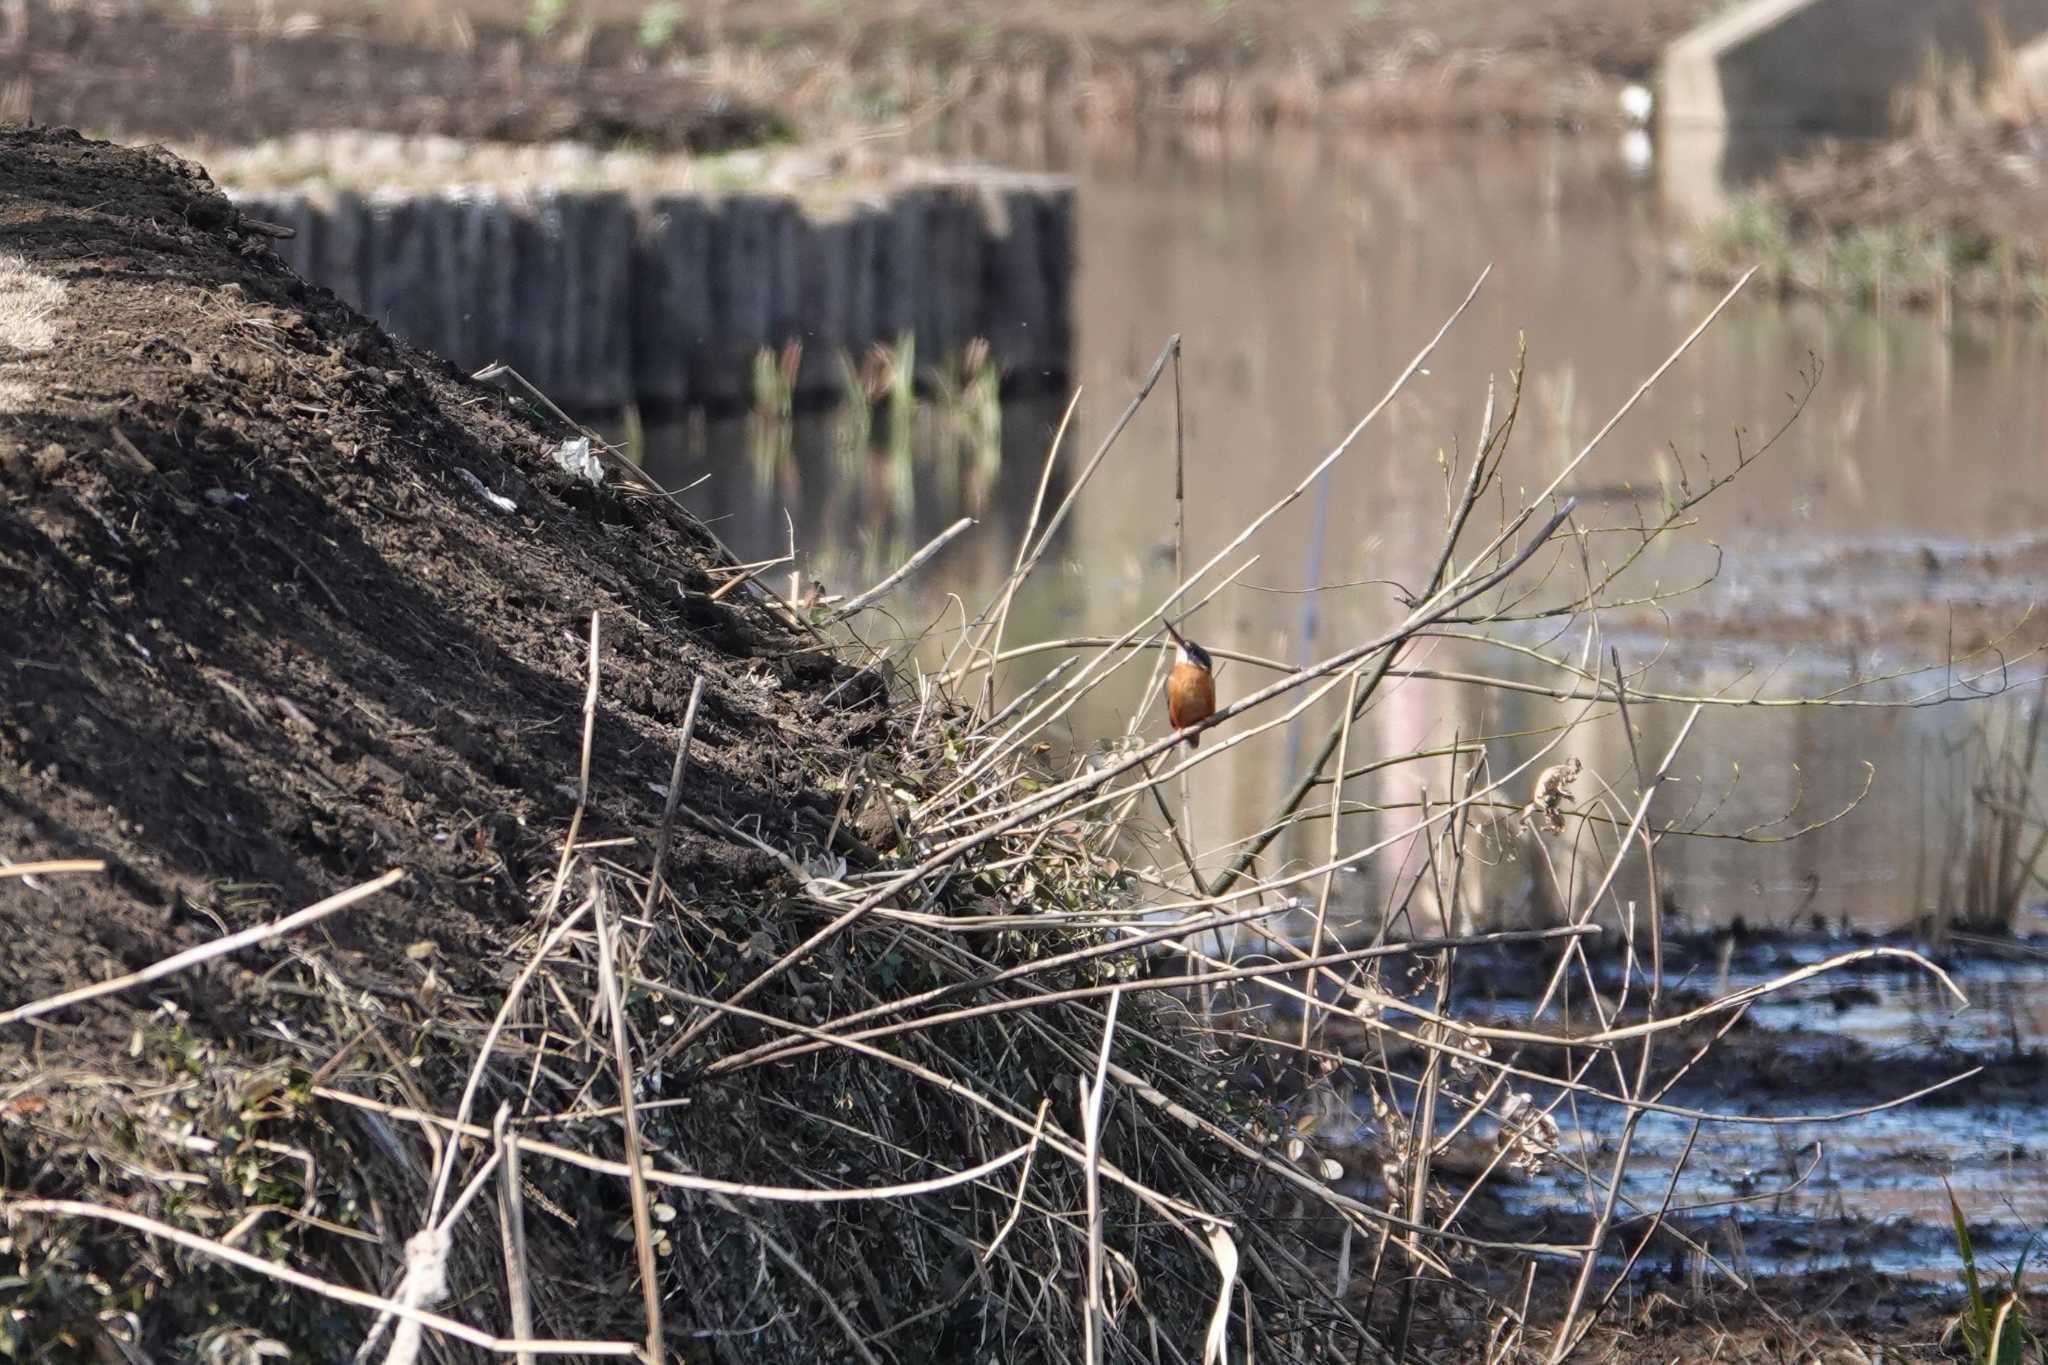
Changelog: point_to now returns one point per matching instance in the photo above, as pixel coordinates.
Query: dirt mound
(284, 604)
(269, 630)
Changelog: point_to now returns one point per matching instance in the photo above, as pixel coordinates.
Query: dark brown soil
(264, 634)
(261, 639)
(147, 74)
(1823, 1318)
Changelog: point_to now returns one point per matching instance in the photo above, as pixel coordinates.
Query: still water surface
(1304, 272)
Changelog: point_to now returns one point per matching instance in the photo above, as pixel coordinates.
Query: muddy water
(1303, 274)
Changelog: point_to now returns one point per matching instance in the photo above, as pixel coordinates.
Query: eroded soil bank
(608, 70)
(286, 604)
(149, 72)
(266, 628)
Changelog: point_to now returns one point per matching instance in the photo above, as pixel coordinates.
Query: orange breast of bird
(1190, 696)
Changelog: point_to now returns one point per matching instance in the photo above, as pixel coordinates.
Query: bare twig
(636, 1173)
(51, 868)
(205, 952)
(1092, 1091)
(298, 1279)
(675, 796)
(512, 1232)
(910, 566)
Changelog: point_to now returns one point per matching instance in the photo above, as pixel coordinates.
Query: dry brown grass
(946, 1106)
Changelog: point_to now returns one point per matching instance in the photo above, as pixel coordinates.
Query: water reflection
(862, 489)
(1304, 271)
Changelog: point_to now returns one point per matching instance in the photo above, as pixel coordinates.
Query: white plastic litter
(579, 459)
(496, 501)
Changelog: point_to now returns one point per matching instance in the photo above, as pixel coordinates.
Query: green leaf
(1977, 1325)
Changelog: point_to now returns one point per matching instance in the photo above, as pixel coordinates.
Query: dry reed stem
(675, 795)
(205, 952)
(561, 881)
(676, 1180)
(1023, 1182)
(909, 567)
(298, 1279)
(1092, 1090)
(1216, 1340)
(512, 1233)
(51, 868)
(745, 574)
(636, 1172)
(1315, 945)
(1591, 1092)
(1001, 611)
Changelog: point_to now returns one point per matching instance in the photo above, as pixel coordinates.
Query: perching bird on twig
(1190, 688)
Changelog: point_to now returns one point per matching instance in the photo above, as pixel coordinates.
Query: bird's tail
(1194, 739)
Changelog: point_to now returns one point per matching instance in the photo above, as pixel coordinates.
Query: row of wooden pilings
(601, 297)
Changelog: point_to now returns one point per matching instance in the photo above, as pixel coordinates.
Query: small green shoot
(1993, 1335)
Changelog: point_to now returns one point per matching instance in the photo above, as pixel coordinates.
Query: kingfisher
(1190, 688)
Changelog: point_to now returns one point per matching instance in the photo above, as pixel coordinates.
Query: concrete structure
(601, 299)
(1737, 91)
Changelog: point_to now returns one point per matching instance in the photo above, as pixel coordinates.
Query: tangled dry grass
(972, 1093)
